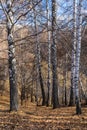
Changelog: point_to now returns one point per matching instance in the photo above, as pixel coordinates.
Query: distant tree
(49, 54)
(65, 77)
(54, 58)
(38, 58)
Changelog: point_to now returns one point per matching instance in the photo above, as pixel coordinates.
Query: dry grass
(31, 117)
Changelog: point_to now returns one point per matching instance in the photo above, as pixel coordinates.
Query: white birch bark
(11, 59)
(73, 59)
(77, 66)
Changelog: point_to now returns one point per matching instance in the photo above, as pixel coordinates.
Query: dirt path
(41, 118)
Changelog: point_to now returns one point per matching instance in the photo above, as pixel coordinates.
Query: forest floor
(31, 117)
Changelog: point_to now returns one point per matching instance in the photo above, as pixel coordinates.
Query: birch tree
(11, 59)
(72, 89)
(54, 58)
(49, 53)
(77, 66)
(38, 59)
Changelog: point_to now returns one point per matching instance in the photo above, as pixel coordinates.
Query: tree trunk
(72, 89)
(49, 55)
(42, 87)
(54, 58)
(65, 77)
(38, 60)
(11, 60)
(78, 52)
(23, 97)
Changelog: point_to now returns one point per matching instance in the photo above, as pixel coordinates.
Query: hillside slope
(30, 117)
